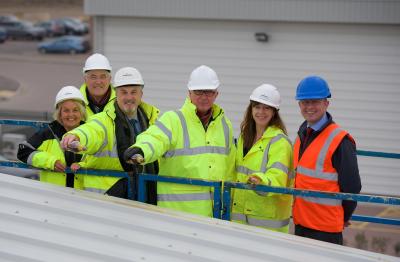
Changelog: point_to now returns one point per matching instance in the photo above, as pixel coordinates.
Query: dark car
(23, 30)
(65, 44)
(72, 27)
(3, 35)
(52, 27)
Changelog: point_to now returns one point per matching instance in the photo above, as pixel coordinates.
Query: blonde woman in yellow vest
(263, 157)
(43, 149)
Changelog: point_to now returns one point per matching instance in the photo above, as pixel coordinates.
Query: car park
(23, 30)
(65, 44)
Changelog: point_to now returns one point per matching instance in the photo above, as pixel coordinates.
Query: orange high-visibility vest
(314, 171)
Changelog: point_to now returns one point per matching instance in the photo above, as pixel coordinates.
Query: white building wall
(360, 62)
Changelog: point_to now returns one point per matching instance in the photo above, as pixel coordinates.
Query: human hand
(75, 167)
(347, 223)
(254, 180)
(59, 167)
(71, 143)
(134, 155)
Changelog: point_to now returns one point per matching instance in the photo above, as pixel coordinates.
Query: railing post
(226, 198)
(217, 200)
(142, 187)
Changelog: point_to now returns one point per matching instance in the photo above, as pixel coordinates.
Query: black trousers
(335, 238)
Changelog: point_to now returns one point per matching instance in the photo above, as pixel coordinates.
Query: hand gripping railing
(311, 193)
(188, 181)
(91, 172)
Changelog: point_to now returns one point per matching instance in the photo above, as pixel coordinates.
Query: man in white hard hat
(108, 134)
(97, 90)
(195, 141)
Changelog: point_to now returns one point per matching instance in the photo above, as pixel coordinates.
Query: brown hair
(248, 125)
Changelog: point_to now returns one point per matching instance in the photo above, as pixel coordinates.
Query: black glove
(132, 151)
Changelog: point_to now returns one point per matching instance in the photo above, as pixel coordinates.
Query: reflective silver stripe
(318, 172)
(226, 132)
(186, 141)
(280, 166)
(276, 138)
(324, 201)
(185, 197)
(105, 142)
(244, 170)
(324, 150)
(240, 217)
(187, 151)
(151, 148)
(95, 190)
(165, 130)
(260, 222)
(314, 173)
(197, 151)
(30, 157)
(106, 153)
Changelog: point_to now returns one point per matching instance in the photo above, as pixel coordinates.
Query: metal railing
(221, 207)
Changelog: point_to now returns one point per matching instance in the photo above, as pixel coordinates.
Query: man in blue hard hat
(325, 160)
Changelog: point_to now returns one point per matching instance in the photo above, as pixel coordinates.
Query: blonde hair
(82, 110)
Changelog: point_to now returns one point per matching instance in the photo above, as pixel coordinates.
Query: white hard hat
(97, 61)
(128, 76)
(266, 94)
(69, 92)
(203, 78)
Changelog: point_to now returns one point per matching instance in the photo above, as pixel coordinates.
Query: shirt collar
(317, 126)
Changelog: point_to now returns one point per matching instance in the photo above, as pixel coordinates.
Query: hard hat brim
(252, 98)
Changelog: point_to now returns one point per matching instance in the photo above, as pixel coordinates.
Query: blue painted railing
(222, 206)
(311, 193)
(92, 172)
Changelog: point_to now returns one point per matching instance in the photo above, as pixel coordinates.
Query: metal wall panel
(341, 11)
(360, 62)
(43, 222)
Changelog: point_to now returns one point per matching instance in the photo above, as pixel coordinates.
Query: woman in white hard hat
(43, 149)
(263, 157)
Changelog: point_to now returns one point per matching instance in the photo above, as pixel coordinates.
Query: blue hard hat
(312, 87)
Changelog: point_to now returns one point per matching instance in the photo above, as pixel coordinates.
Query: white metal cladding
(360, 62)
(341, 11)
(43, 222)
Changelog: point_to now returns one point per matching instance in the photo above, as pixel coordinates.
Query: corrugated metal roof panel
(41, 222)
(341, 11)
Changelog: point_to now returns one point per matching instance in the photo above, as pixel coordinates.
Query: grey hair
(82, 110)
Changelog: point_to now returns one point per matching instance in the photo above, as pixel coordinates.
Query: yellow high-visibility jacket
(270, 159)
(185, 149)
(43, 149)
(98, 136)
(109, 105)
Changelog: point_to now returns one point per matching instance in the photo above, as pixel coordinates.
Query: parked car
(23, 30)
(8, 18)
(65, 44)
(52, 27)
(3, 35)
(72, 27)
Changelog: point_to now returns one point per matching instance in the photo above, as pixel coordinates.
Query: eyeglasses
(207, 93)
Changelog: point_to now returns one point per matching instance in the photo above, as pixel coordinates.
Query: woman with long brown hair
(263, 157)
